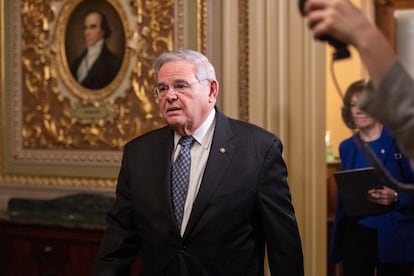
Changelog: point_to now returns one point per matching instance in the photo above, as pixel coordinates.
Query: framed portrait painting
(94, 44)
(77, 83)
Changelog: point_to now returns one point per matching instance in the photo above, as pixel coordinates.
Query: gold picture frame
(54, 130)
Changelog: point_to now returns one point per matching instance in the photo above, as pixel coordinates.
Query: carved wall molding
(60, 133)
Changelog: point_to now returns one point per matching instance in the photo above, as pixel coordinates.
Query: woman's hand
(383, 196)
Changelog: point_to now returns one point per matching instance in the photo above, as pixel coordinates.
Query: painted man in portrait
(97, 66)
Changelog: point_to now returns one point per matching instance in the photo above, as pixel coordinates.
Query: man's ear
(214, 89)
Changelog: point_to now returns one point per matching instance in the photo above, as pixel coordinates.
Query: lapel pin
(222, 150)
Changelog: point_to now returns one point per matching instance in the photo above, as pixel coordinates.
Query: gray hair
(203, 70)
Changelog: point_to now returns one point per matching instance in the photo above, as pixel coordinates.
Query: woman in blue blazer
(382, 244)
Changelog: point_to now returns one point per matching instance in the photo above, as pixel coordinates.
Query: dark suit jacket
(102, 72)
(243, 203)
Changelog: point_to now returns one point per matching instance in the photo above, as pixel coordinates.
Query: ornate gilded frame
(54, 131)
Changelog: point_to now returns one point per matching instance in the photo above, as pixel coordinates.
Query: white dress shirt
(88, 60)
(200, 151)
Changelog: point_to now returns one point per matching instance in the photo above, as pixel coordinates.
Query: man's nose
(171, 94)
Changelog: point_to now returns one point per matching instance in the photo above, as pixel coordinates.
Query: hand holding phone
(341, 49)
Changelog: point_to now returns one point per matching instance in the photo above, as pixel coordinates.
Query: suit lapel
(221, 153)
(386, 147)
(162, 154)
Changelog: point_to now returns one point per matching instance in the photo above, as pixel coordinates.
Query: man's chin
(174, 122)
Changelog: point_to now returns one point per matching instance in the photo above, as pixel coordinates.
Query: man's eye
(163, 88)
(180, 86)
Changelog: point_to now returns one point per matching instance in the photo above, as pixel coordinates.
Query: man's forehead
(177, 67)
(93, 17)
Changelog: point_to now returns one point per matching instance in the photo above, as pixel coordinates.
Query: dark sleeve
(277, 215)
(120, 244)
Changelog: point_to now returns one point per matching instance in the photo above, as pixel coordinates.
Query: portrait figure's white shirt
(89, 59)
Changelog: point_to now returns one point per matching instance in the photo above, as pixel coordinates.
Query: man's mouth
(172, 109)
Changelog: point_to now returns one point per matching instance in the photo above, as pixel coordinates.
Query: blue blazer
(396, 227)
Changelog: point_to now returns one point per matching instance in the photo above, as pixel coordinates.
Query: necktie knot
(186, 141)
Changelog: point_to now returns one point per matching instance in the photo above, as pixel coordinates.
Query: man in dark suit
(97, 66)
(237, 203)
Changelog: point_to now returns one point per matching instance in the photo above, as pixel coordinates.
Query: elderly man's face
(92, 29)
(185, 111)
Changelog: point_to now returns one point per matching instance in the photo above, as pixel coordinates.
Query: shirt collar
(201, 133)
(96, 49)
